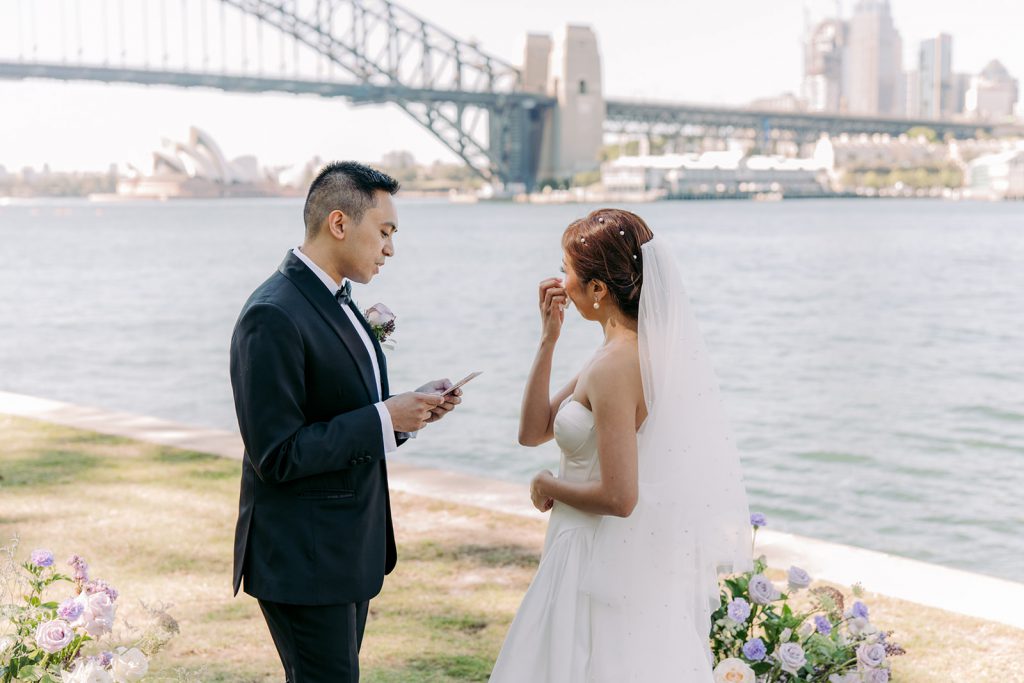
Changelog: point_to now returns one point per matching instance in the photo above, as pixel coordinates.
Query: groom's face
(371, 241)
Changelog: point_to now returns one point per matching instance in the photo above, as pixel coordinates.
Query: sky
(716, 51)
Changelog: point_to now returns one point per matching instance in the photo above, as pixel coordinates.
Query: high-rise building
(824, 58)
(937, 91)
(912, 88)
(875, 61)
(993, 93)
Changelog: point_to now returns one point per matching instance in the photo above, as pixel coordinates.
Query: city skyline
(89, 126)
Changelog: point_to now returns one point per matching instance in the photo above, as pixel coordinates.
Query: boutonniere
(382, 322)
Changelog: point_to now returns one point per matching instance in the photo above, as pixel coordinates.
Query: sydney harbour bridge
(510, 123)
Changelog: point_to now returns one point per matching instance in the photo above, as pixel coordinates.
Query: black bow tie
(344, 295)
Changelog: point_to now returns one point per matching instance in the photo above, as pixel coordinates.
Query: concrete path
(954, 590)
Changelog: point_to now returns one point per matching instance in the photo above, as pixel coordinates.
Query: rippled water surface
(871, 352)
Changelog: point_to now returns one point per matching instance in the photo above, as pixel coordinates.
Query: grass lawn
(158, 524)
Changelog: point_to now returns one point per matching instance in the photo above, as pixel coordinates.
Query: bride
(648, 505)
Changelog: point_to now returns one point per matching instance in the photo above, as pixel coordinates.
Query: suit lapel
(327, 306)
(381, 363)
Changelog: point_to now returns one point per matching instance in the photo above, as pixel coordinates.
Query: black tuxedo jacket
(314, 516)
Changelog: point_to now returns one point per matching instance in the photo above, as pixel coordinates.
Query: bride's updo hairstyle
(605, 246)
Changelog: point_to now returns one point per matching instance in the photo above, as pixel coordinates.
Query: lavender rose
(42, 558)
(823, 625)
(757, 519)
(54, 636)
(379, 315)
(876, 676)
(871, 656)
(762, 591)
(739, 610)
(798, 578)
(754, 650)
(792, 657)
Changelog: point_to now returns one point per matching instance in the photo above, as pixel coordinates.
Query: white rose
(54, 636)
(86, 671)
(128, 665)
(786, 634)
(844, 678)
(806, 629)
(97, 615)
(6, 643)
(379, 314)
(859, 626)
(733, 670)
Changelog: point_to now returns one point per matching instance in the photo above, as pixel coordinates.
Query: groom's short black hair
(347, 186)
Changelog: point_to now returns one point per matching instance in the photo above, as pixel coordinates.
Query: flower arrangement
(382, 322)
(758, 637)
(46, 640)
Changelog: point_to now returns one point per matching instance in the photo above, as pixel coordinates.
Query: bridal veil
(654, 574)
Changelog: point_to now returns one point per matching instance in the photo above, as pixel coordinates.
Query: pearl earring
(596, 305)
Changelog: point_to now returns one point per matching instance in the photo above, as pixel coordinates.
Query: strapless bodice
(577, 438)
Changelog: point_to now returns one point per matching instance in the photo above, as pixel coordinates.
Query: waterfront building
(997, 176)
(197, 168)
(720, 174)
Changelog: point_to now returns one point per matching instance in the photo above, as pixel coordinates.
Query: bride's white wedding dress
(629, 600)
(549, 640)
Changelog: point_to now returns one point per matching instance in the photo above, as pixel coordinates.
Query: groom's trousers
(317, 644)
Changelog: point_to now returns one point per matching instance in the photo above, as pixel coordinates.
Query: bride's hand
(552, 307)
(540, 501)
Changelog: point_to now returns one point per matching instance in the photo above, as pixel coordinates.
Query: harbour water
(870, 352)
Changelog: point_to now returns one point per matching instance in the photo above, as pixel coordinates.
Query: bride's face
(575, 290)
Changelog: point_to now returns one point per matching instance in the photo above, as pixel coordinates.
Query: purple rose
(792, 657)
(754, 650)
(758, 519)
(739, 610)
(42, 558)
(859, 609)
(762, 591)
(871, 656)
(823, 625)
(70, 609)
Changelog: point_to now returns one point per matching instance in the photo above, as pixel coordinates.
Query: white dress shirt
(386, 425)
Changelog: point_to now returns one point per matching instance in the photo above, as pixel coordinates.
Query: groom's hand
(411, 411)
(439, 386)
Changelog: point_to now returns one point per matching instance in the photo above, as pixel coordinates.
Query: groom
(314, 537)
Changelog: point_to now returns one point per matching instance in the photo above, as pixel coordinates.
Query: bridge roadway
(621, 115)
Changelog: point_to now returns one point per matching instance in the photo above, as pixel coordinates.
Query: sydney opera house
(197, 168)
